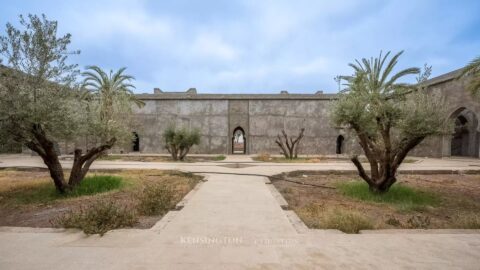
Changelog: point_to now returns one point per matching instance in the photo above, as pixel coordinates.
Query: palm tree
(473, 69)
(109, 88)
(376, 78)
(112, 93)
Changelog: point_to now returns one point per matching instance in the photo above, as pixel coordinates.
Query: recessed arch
(239, 141)
(464, 140)
(339, 148)
(135, 142)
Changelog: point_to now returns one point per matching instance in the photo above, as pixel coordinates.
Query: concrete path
(234, 222)
(243, 165)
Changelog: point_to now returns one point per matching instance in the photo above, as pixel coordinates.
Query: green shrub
(155, 199)
(179, 141)
(98, 218)
(401, 196)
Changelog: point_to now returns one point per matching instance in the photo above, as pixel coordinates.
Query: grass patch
(97, 184)
(268, 158)
(403, 197)
(98, 218)
(109, 157)
(45, 192)
(219, 157)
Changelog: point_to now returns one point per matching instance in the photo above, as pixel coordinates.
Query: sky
(257, 46)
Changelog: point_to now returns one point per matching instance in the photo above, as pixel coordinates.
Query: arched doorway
(464, 140)
(339, 149)
(136, 142)
(239, 141)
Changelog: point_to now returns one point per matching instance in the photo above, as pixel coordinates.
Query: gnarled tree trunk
(384, 161)
(45, 148)
(81, 163)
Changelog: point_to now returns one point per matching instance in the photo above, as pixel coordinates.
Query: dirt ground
(37, 213)
(316, 193)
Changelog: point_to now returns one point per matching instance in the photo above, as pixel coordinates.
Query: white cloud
(207, 46)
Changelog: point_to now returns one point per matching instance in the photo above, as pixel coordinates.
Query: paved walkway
(233, 222)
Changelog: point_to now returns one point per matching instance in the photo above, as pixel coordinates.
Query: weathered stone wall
(269, 117)
(210, 117)
(459, 101)
(262, 120)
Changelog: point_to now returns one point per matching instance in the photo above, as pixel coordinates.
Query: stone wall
(210, 117)
(261, 119)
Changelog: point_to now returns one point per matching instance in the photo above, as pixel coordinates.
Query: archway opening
(464, 140)
(339, 148)
(136, 142)
(239, 141)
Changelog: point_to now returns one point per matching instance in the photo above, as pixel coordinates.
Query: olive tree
(41, 103)
(178, 141)
(388, 117)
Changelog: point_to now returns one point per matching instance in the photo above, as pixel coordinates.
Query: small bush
(98, 218)
(179, 141)
(346, 221)
(263, 157)
(401, 196)
(468, 222)
(393, 221)
(419, 222)
(155, 199)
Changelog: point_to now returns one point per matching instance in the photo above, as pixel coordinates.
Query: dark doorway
(460, 140)
(340, 140)
(136, 142)
(239, 141)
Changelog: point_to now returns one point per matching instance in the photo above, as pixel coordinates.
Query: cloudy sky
(258, 46)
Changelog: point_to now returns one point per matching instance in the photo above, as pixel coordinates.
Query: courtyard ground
(234, 221)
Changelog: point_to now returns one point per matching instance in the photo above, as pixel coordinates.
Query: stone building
(249, 123)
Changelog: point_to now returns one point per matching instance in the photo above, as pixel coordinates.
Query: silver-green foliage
(36, 87)
(389, 117)
(178, 141)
